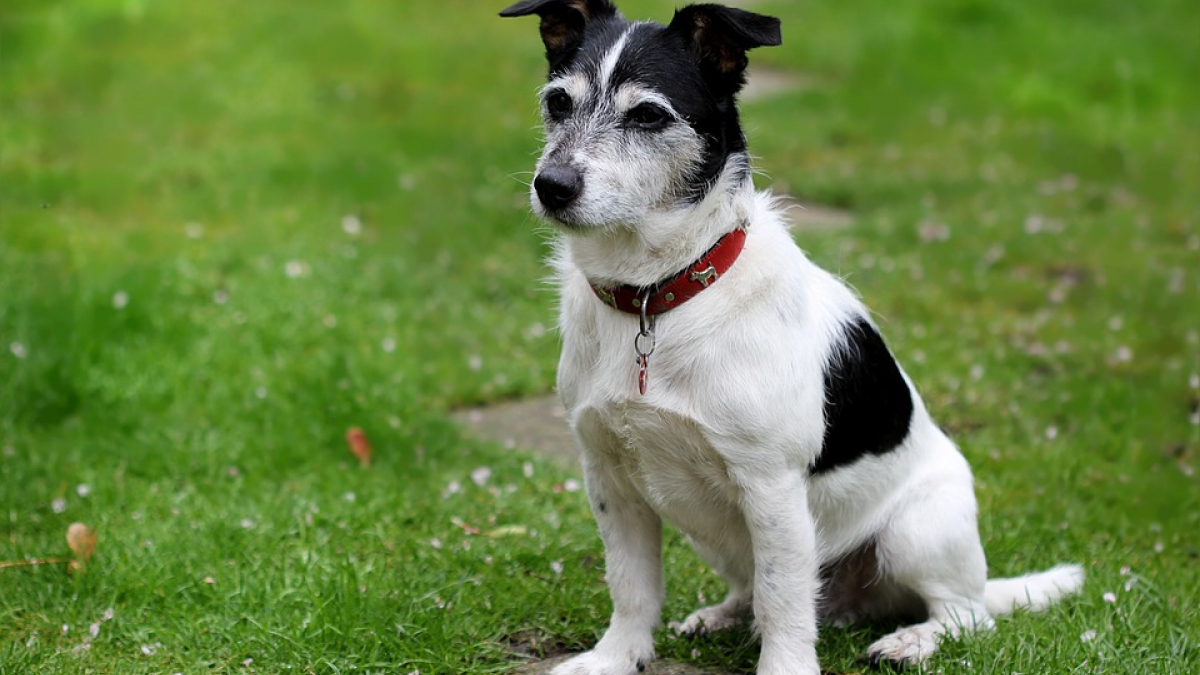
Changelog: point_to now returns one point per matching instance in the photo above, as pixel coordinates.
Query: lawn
(231, 231)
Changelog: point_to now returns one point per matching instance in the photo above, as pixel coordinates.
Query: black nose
(558, 185)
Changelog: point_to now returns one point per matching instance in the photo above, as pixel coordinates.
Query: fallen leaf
(356, 439)
(82, 542)
(467, 529)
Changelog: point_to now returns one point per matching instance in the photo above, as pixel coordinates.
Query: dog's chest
(655, 438)
(666, 456)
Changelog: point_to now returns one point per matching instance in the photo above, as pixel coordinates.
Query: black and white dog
(716, 378)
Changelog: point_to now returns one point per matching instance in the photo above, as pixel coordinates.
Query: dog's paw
(908, 646)
(594, 663)
(709, 620)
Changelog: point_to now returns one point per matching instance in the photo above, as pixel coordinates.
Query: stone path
(539, 424)
(763, 82)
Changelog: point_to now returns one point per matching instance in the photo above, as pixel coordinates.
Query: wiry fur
(728, 442)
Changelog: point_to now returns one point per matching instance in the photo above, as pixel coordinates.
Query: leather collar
(679, 288)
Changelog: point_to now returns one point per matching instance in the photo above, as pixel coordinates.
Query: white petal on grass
(572, 485)
(83, 489)
(1109, 597)
(58, 505)
(120, 300)
(1087, 636)
(556, 566)
(481, 475)
(295, 269)
(351, 225)
(18, 350)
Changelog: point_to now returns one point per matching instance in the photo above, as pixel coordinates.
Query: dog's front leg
(786, 581)
(632, 535)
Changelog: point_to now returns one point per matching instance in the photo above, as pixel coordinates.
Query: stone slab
(538, 424)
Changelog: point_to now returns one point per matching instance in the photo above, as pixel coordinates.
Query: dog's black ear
(563, 24)
(719, 38)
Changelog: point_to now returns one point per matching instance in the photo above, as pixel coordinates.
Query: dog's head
(640, 118)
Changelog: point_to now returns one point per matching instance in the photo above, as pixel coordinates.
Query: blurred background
(231, 231)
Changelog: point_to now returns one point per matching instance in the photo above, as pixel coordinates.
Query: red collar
(674, 291)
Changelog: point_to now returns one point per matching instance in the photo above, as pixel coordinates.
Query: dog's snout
(558, 185)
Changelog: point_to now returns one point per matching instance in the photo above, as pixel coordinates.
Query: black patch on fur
(868, 407)
(660, 59)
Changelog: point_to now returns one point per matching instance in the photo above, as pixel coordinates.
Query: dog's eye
(559, 105)
(648, 116)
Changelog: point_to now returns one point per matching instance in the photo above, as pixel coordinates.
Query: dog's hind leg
(930, 547)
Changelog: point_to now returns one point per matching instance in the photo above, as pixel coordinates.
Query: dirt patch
(533, 645)
(655, 668)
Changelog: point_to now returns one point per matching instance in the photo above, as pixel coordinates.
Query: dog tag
(643, 375)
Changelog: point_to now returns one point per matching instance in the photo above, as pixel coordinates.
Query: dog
(717, 379)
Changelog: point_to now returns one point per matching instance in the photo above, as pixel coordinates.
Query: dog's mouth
(564, 219)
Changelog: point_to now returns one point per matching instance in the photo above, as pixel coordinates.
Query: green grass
(1027, 226)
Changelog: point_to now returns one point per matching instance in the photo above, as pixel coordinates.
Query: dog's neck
(667, 241)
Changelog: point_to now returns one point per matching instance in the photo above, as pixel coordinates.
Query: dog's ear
(563, 24)
(719, 38)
